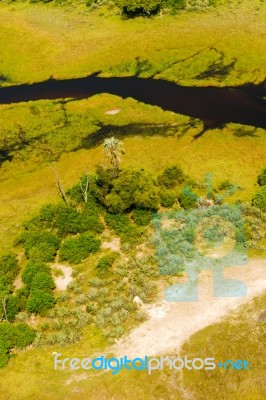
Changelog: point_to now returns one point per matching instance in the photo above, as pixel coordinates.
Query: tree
(133, 188)
(133, 8)
(85, 187)
(113, 149)
(59, 184)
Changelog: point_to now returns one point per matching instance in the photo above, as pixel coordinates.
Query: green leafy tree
(103, 183)
(133, 188)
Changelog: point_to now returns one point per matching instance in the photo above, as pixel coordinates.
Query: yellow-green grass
(45, 40)
(240, 336)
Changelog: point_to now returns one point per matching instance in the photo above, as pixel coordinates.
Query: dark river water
(214, 106)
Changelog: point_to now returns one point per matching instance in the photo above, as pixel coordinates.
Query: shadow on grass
(144, 130)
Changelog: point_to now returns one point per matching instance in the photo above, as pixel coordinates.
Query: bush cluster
(78, 248)
(142, 217)
(134, 188)
(262, 177)
(147, 8)
(259, 200)
(171, 177)
(39, 285)
(124, 228)
(13, 336)
(9, 269)
(40, 245)
(65, 220)
(187, 198)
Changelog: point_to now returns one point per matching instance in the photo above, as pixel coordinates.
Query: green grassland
(38, 41)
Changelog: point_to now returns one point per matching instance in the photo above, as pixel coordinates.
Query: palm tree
(113, 149)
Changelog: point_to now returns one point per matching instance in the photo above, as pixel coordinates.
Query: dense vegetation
(123, 201)
(135, 8)
(16, 336)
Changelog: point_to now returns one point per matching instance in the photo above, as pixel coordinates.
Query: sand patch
(63, 281)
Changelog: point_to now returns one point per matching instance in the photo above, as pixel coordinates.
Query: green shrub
(32, 269)
(9, 267)
(40, 245)
(8, 270)
(16, 303)
(171, 177)
(142, 217)
(6, 286)
(262, 177)
(118, 222)
(24, 335)
(66, 220)
(122, 226)
(70, 222)
(76, 249)
(133, 8)
(42, 281)
(225, 185)
(39, 302)
(187, 198)
(106, 262)
(4, 356)
(259, 200)
(102, 183)
(12, 307)
(255, 222)
(167, 198)
(12, 336)
(7, 337)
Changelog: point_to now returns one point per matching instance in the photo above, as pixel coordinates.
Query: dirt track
(171, 324)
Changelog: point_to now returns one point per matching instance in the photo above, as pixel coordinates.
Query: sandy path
(171, 324)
